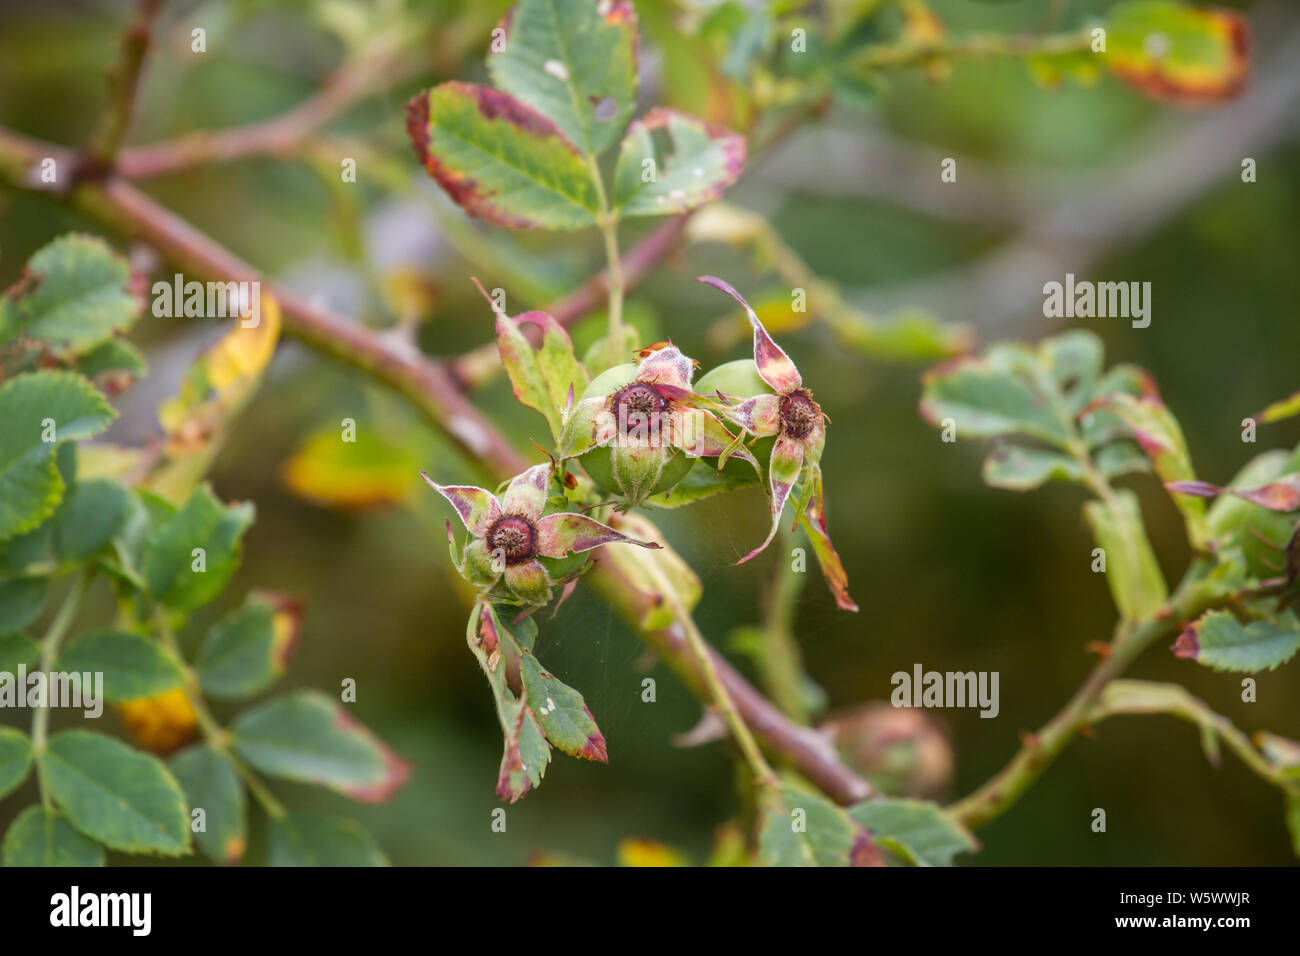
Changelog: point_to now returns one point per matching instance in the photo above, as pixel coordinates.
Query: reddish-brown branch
(379, 66)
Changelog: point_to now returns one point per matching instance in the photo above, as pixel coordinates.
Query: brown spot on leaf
(234, 850)
(1187, 646)
(487, 631)
(864, 851)
(286, 623)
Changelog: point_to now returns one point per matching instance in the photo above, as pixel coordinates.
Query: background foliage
(949, 572)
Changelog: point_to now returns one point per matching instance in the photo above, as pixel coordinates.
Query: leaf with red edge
(702, 162)
(310, 738)
(525, 751)
(1220, 641)
(800, 828)
(559, 534)
(774, 366)
(562, 712)
(543, 378)
(573, 60)
(478, 508)
(1280, 495)
(1161, 437)
(814, 522)
(501, 160)
(1176, 53)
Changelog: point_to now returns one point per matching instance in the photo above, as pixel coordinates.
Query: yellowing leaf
(220, 379)
(1285, 408)
(245, 351)
(367, 473)
(648, 853)
(215, 389)
(1176, 53)
(163, 723)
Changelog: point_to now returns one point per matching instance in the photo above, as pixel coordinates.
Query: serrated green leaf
(800, 828)
(212, 785)
(703, 162)
(526, 752)
(704, 481)
(574, 61)
(1003, 394)
(92, 514)
(117, 356)
(16, 649)
(1132, 572)
(562, 712)
(302, 839)
(15, 759)
(1218, 640)
(61, 406)
(542, 378)
(1233, 520)
(1121, 458)
(21, 600)
(133, 666)
(311, 739)
(1017, 468)
(780, 843)
(926, 835)
(1074, 360)
(171, 567)
(19, 553)
(38, 838)
(1158, 432)
(501, 160)
(121, 797)
(247, 650)
(76, 295)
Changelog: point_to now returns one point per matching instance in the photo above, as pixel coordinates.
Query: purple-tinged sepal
(790, 414)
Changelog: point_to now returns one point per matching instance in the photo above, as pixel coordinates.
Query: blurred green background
(949, 573)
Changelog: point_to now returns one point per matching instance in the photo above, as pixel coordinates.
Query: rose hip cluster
(638, 430)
